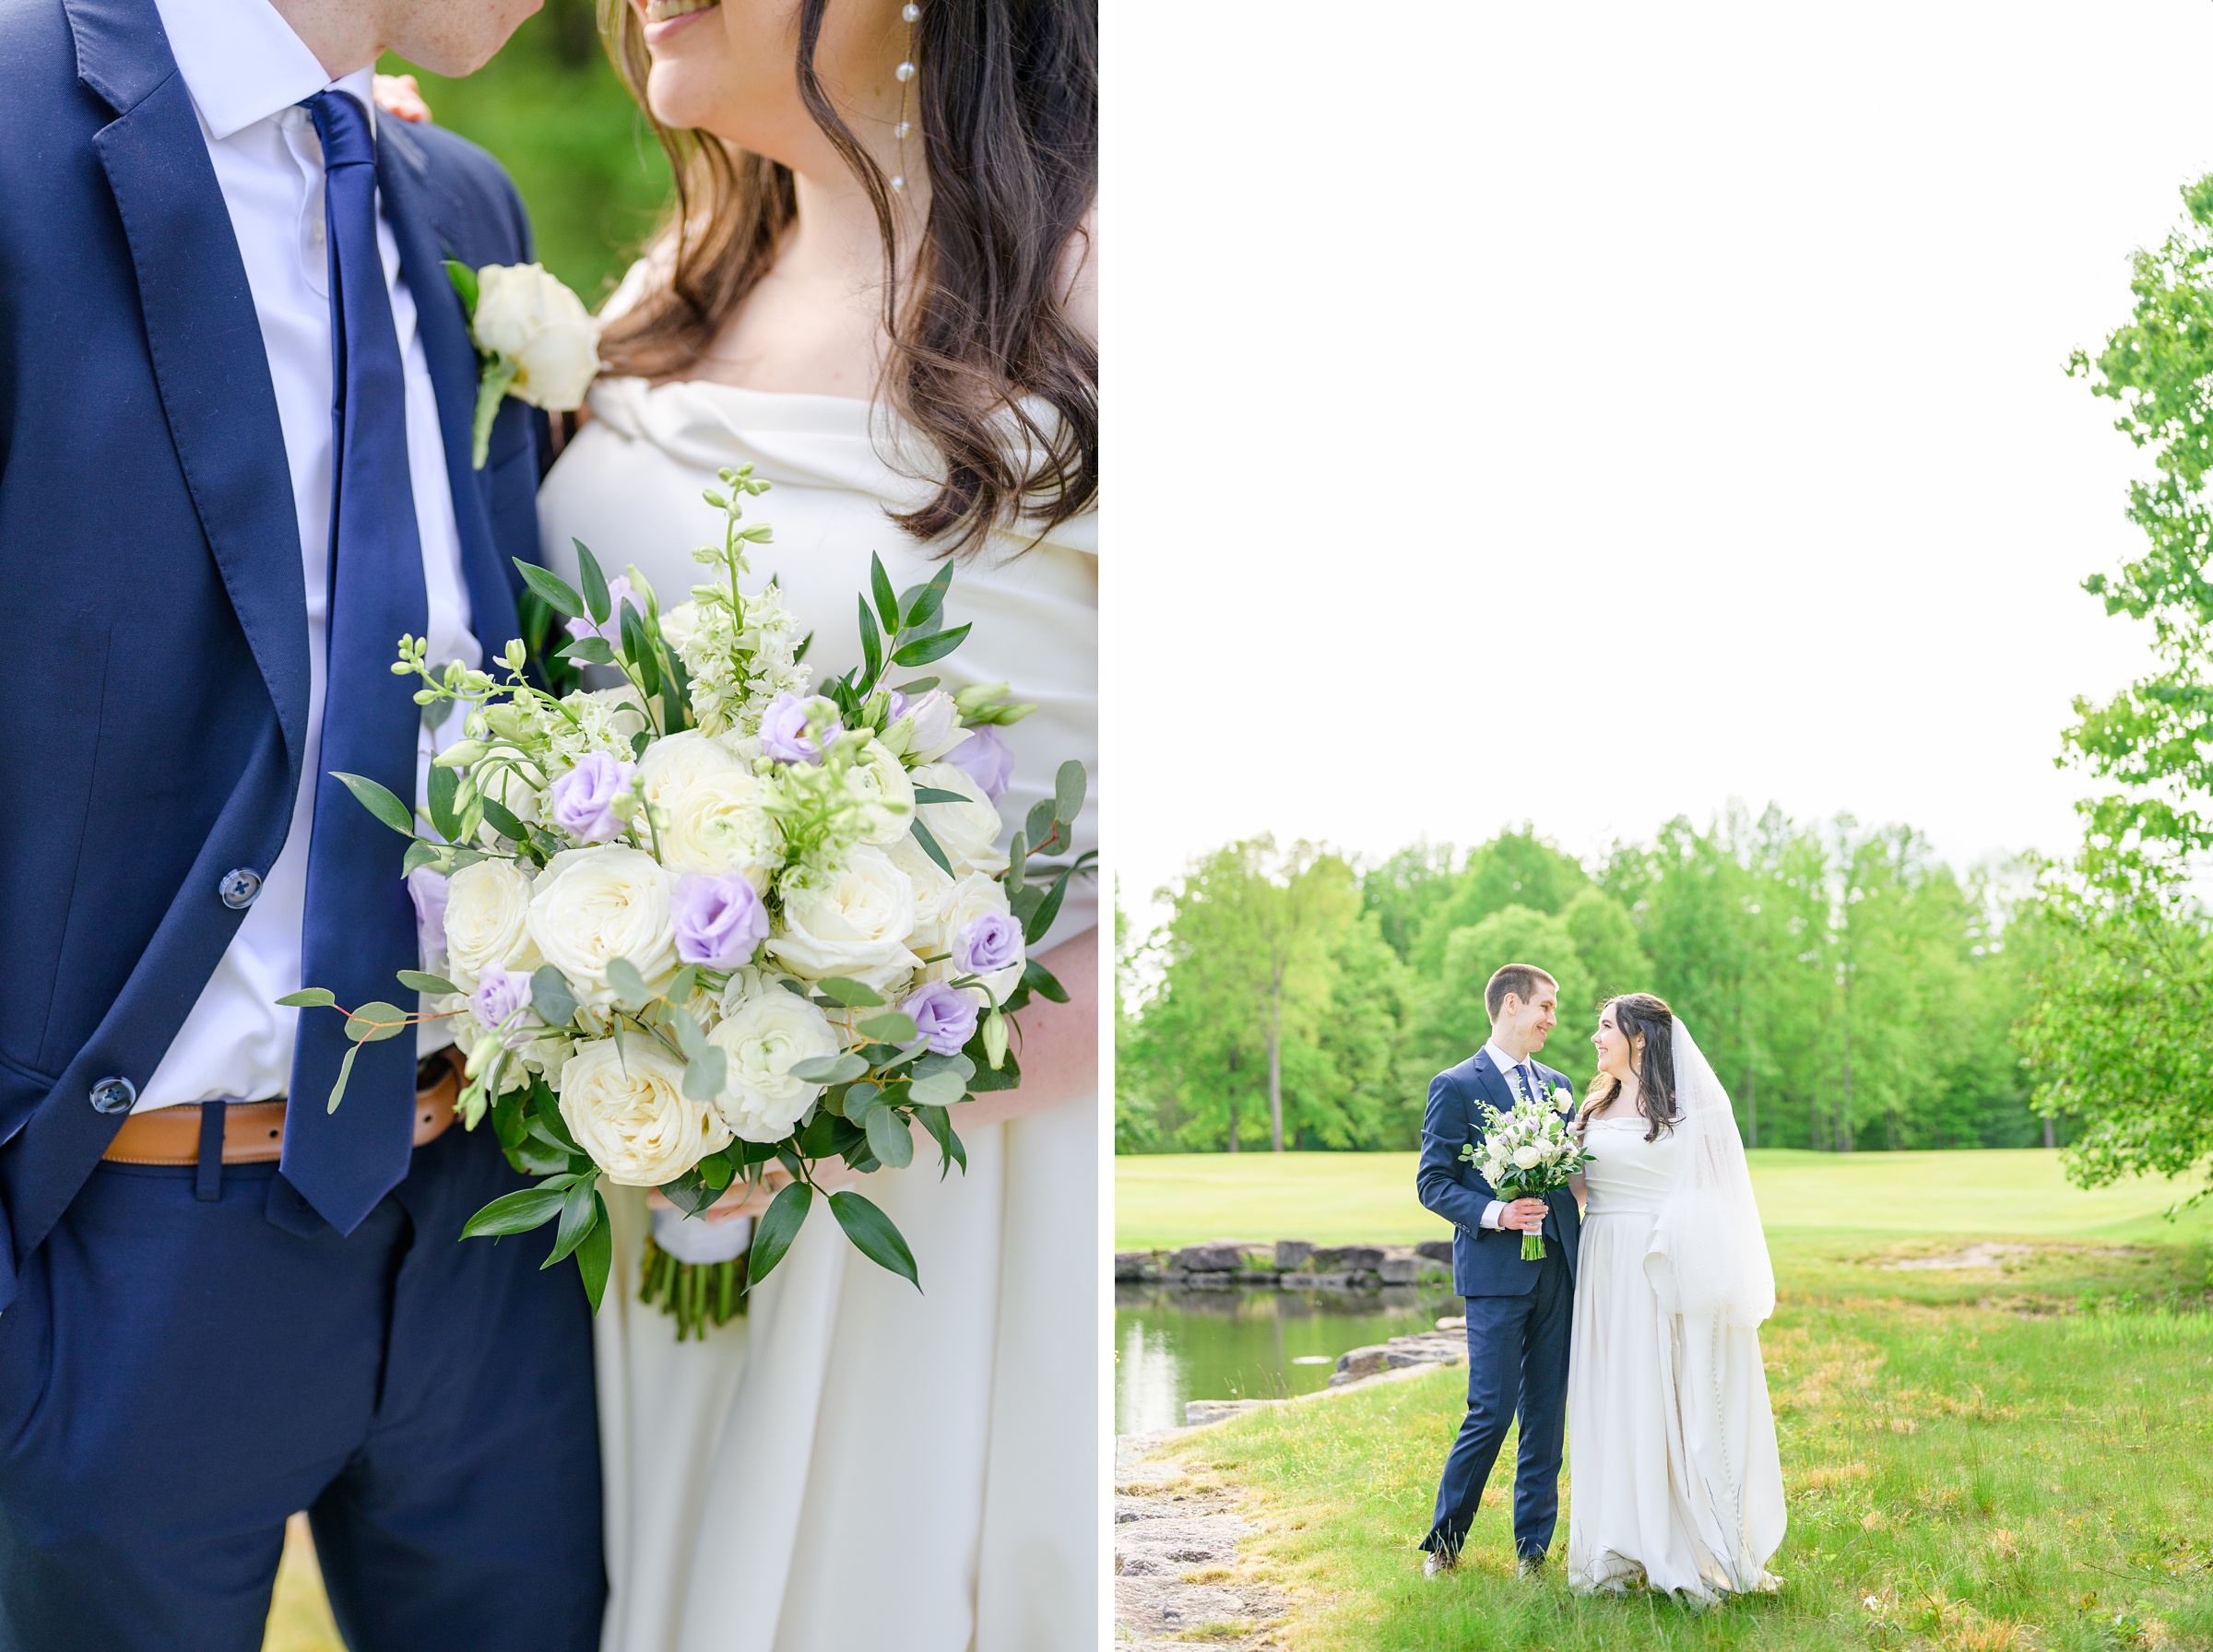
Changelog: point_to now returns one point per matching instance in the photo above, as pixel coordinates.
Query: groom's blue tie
(360, 925)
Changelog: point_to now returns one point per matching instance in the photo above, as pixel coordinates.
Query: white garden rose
(710, 809)
(931, 886)
(892, 795)
(543, 329)
(968, 832)
(973, 897)
(627, 1109)
(487, 910)
(765, 1035)
(853, 921)
(1530, 1156)
(593, 905)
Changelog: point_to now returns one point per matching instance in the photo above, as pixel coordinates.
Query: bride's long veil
(1708, 1254)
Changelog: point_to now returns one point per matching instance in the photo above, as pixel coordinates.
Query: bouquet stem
(695, 1294)
(1533, 1247)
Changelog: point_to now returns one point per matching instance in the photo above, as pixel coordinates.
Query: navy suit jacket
(149, 554)
(1486, 1261)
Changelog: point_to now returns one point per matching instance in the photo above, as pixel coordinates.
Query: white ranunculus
(972, 898)
(593, 905)
(627, 1108)
(852, 922)
(710, 809)
(487, 910)
(968, 832)
(543, 329)
(1494, 1171)
(931, 886)
(1530, 1156)
(891, 793)
(766, 1035)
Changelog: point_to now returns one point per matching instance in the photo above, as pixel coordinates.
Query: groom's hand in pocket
(1523, 1216)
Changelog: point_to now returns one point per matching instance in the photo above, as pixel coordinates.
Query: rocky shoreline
(1287, 1265)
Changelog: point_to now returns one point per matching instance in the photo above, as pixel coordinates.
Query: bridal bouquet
(1526, 1154)
(720, 917)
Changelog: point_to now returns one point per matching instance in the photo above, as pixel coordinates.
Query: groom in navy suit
(1518, 1312)
(236, 390)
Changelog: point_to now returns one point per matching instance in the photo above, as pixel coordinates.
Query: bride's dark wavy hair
(1008, 123)
(1642, 1015)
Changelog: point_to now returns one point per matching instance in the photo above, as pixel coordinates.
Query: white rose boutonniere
(535, 341)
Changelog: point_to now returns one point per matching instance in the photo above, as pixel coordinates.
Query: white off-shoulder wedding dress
(853, 1465)
(1674, 1478)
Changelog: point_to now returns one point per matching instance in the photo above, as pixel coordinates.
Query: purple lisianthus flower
(584, 798)
(719, 919)
(945, 1016)
(988, 944)
(784, 733)
(618, 588)
(986, 760)
(498, 995)
(427, 889)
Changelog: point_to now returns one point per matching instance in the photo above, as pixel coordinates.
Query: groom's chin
(458, 37)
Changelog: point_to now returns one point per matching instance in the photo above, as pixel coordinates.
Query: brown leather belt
(254, 1132)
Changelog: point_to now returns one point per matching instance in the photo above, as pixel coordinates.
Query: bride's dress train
(1674, 1478)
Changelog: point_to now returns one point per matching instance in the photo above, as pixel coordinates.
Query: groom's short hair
(1521, 980)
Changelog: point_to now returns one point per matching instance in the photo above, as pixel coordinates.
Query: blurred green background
(551, 109)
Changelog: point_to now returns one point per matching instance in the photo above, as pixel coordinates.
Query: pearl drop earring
(904, 74)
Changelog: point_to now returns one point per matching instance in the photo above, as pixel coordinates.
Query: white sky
(1699, 365)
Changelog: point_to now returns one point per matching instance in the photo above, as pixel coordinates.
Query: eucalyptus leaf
(338, 1091)
(375, 1021)
(550, 996)
(888, 1138)
(422, 981)
(1068, 792)
(309, 997)
(860, 1100)
(893, 1027)
(853, 995)
(705, 1074)
(630, 990)
(938, 1089)
(828, 1069)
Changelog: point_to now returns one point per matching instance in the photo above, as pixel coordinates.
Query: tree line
(1851, 990)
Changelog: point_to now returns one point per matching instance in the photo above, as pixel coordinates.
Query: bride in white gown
(852, 1464)
(1674, 1477)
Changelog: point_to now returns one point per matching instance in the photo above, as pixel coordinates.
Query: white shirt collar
(242, 62)
(1502, 1061)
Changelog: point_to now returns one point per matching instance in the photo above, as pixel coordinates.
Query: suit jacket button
(113, 1095)
(239, 887)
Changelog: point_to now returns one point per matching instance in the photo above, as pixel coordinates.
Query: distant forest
(1853, 991)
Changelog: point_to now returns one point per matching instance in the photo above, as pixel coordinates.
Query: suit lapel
(203, 338)
(413, 202)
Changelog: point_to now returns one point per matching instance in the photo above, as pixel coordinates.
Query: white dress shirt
(247, 72)
(1528, 1084)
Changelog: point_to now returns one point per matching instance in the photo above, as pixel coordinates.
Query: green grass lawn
(2018, 1456)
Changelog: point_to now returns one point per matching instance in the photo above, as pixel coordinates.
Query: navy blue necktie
(360, 925)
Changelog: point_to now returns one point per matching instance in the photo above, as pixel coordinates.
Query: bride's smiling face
(1615, 1056)
(731, 67)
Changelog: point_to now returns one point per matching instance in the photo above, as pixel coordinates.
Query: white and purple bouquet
(720, 917)
(1528, 1153)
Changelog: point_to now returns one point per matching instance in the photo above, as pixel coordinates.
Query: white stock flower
(599, 720)
(627, 1109)
(883, 777)
(593, 905)
(487, 909)
(541, 327)
(763, 1037)
(853, 920)
(709, 809)
(968, 832)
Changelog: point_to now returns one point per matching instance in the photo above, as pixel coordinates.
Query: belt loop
(208, 1187)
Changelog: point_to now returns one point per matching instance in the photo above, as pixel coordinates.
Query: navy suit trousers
(178, 1375)
(1517, 1369)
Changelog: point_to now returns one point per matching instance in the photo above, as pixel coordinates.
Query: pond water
(1174, 1345)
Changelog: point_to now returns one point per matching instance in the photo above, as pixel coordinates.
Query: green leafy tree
(1455, 1021)
(1515, 869)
